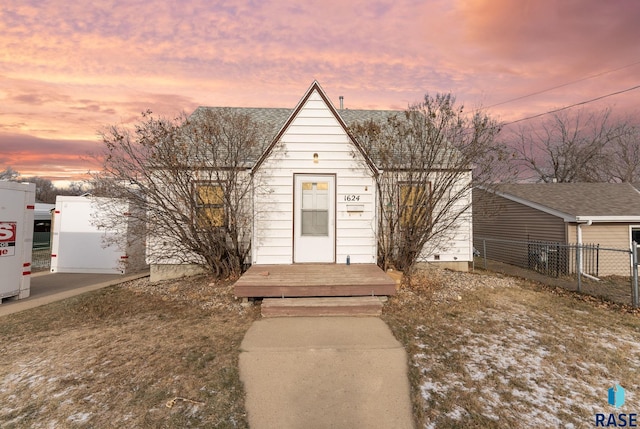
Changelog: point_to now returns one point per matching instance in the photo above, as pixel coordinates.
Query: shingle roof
(275, 118)
(579, 199)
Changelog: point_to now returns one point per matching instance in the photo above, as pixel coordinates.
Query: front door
(314, 199)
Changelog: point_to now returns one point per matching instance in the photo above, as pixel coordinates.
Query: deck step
(332, 306)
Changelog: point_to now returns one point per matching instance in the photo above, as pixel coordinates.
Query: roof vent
(341, 102)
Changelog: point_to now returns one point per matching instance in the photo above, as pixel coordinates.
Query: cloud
(67, 69)
(572, 35)
(39, 107)
(48, 158)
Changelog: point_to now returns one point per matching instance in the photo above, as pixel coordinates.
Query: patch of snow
(79, 417)
(491, 416)
(429, 387)
(457, 413)
(15, 420)
(65, 392)
(66, 402)
(34, 380)
(516, 356)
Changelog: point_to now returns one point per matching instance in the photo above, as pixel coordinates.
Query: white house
(314, 196)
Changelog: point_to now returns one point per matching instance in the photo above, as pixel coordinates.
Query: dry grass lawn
(130, 356)
(485, 351)
(495, 352)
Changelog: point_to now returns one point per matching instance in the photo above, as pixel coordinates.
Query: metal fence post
(634, 286)
(579, 265)
(484, 252)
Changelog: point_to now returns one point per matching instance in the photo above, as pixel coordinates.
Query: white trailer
(17, 203)
(82, 244)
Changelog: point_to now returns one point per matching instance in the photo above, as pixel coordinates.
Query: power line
(563, 85)
(573, 105)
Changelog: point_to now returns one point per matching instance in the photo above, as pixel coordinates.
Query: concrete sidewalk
(324, 372)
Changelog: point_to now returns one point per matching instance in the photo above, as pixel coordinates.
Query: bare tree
(427, 155)
(568, 147)
(188, 179)
(45, 190)
(73, 189)
(622, 155)
(9, 174)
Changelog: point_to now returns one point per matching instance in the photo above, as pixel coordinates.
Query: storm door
(314, 218)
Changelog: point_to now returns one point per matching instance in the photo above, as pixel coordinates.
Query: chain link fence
(41, 258)
(41, 251)
(589, 268)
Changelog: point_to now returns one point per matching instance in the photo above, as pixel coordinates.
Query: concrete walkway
(324, 372)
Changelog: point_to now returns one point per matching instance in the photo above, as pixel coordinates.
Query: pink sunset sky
(68, 69)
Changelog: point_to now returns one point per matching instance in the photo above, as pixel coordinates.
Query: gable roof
(277, 120)
(577, 202)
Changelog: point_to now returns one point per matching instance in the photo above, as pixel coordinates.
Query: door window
(315, 209)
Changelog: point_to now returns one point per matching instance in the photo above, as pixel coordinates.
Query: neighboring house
(604, 214)
(314, 190)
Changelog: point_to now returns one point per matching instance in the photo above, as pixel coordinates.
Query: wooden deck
(314, 280)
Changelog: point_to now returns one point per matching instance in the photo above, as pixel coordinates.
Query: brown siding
(607, 236)
(614, 235)
(495, 217)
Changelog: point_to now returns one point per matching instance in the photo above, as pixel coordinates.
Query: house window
(635, 235)
(209, 205)
(414, 204)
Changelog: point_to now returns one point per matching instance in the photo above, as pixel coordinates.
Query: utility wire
(563, 85)
(573, 105)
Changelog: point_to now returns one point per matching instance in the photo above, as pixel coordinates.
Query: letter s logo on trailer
(8, 238)
(7, 231)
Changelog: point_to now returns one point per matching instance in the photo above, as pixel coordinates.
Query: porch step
(332, 306)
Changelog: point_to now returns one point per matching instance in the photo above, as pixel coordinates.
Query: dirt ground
(134, 355)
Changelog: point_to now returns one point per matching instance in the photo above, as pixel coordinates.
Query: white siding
(457, 244)
(313, 130)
